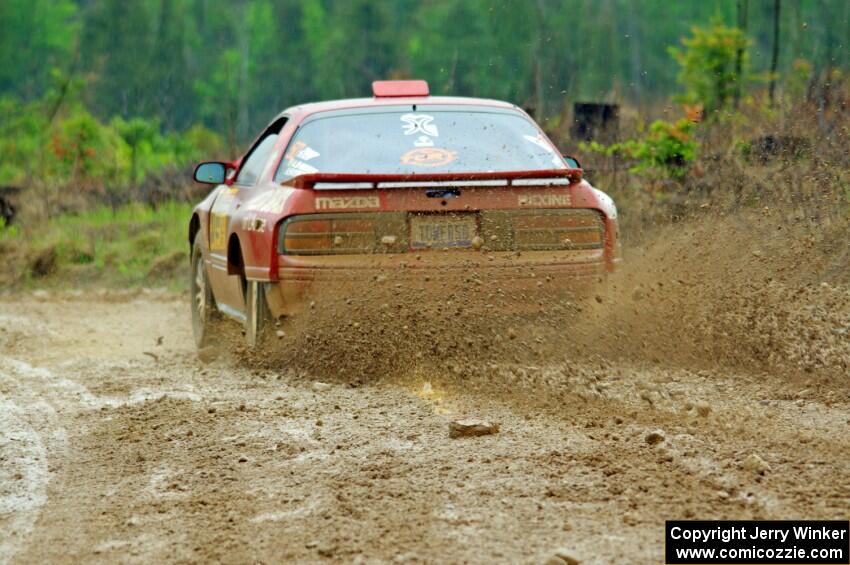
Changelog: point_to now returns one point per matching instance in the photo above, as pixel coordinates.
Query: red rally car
(341, 190)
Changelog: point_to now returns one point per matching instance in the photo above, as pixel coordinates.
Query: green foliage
(666, 151)
(708, 64)
(743, 148)
(7, 232)
(218, 94)
(78, 149)
(798, 78)
(150, 151)
(233, 65)
(148, 68)
(22, 139)
(85, 152)
(35, 37)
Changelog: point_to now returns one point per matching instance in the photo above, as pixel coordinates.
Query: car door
(228, 284)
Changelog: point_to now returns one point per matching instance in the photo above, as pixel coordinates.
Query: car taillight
(336, 234)
(541, 230)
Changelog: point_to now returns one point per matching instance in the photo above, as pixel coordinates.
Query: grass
(129, 247)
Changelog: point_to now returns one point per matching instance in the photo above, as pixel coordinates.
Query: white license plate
(438, 232)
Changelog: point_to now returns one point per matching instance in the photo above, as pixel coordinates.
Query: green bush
(23, 141)
(7, 232)
(74, 147)
(666, 151)
(708, 64)
(86, 152)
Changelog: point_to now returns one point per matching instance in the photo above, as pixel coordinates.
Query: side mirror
(572, 162)
(211, 172)
(575, 173)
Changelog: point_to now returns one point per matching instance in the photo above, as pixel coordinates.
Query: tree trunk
(774, 59)
(243, 39)
(242, 117)
(539, 94)
(633, 45)
(743, 8)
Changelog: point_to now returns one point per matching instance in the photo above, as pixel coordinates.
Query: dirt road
(117, 444)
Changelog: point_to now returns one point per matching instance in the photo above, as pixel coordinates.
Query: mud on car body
(334, 192)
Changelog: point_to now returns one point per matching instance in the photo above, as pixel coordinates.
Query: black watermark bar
(762, 542)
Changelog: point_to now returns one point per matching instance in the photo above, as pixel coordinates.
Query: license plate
(442, 231)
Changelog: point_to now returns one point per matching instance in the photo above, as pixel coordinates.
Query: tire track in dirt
(30, 433)
(23, 476)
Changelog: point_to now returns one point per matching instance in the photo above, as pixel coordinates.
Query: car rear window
(425, 140)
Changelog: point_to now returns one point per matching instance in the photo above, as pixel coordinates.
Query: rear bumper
(304, 279)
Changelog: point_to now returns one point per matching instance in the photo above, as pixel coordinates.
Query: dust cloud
(745, 291)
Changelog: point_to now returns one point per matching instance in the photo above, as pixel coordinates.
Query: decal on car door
(271, 202)
(218, 218)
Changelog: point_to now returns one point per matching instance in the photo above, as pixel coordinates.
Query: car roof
(301, 111)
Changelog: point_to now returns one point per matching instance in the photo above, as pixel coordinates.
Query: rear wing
(352, 181)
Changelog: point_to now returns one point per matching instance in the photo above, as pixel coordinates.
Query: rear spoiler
(352, 181)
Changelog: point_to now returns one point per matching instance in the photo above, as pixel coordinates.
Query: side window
(250, 171)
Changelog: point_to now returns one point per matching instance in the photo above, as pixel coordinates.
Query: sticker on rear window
(308, 153)
(419, 123)
(540, 142)
(428, 157)
(298, 167)
(302, 151)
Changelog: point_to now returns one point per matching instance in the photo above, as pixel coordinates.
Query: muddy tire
(258, 319)
(206, 321)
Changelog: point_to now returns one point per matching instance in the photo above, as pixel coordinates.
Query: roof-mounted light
(399, 88)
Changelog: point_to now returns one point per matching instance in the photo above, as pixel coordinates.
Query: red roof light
(399, 88)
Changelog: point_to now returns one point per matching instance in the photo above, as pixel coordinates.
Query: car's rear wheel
(258, 318)
(206, 321)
